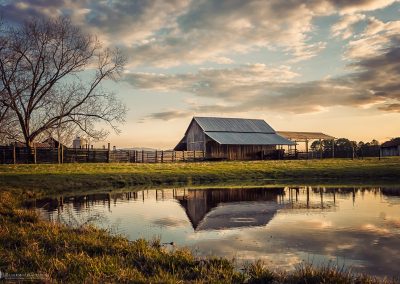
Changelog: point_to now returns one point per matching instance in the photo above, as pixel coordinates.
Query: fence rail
(18, 155)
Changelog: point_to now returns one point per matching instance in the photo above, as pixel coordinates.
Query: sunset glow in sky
(331, 66)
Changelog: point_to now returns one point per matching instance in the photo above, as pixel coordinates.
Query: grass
(87, 254)
(52, 178)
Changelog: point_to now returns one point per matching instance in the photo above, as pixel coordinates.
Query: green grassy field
(88, 254)
(71, 177)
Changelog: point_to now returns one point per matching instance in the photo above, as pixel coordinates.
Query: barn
(232, 138)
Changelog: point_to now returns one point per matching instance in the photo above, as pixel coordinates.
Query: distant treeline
(344, 148)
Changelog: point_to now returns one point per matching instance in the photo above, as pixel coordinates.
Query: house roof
(246, 138)
(392, 143)
(221, 124)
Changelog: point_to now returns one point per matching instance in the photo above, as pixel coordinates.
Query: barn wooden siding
(195, 139)
(238, 152)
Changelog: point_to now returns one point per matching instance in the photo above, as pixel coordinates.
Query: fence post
(162, 156)
(307, 148)
(108, 152)
(320, 148)
(156, 157)
(62, 154)
(87, 154)
(142, 156)
(94, 155)
(183, 154)
(14, 155)
(34, 153)
(194, 155)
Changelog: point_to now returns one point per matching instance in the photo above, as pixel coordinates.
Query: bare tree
(50, 78)
(8, 125)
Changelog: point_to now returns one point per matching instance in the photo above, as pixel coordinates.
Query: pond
(358, 228)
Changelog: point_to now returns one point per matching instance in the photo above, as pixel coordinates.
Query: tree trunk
(30, 151)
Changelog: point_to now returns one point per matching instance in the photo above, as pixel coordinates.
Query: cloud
(172, 33)
(167, 33)
(221, 82)
(375, 40)
(372, 80)
(249, 88)
(133, 22)
(391, 107)
(170, 222)
(348, 7)
(367, 247)
(212, 31)
(175, 32)
(344, 27)
(168, 115)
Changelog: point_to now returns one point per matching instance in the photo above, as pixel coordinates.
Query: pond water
(358, 228)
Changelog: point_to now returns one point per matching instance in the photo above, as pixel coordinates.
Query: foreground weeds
(307, 274)
(88, 254)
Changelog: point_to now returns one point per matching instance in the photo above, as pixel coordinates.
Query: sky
(329, 66)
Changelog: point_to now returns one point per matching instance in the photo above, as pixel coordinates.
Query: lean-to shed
(231, 138)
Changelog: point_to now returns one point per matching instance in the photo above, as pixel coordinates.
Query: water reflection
(356, 227)
(217, 209)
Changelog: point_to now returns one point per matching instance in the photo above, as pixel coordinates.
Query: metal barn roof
(243, 138)
(221, 124)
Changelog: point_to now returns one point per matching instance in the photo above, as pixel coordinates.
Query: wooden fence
(18, 155)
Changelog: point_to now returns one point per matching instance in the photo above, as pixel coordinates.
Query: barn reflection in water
(216, 209)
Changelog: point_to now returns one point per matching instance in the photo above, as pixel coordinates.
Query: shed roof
(304, 135)
(222, 124)
(246, 138)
